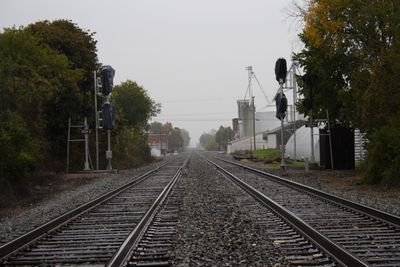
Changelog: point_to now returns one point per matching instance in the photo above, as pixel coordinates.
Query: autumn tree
(178, 138)
(351, 64)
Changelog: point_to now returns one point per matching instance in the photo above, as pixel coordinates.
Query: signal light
(281, 70)
(108, 112)
(107, 79)
(281, 106)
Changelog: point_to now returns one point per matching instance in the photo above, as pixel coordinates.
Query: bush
(266, 154)
(130, 148)
(21, 152)
(383, 162)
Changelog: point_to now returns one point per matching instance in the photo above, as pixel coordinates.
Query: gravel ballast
(48, 209)
(215, 227)
(344, 184)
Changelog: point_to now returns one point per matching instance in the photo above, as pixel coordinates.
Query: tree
(211, 145)
(134, 109)
(155, 127)
(175, 140)
(130, 148)
(351, 59)
(31, 74)
(133, 104)
(69, 39)
(79, 46)
(186, 137)
(205, 138)
(20, 148)
(223, 137)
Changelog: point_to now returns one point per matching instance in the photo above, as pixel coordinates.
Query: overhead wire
(261, 89)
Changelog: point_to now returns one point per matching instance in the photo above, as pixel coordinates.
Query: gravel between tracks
(343, 184)
(44, 211)
(215, 229)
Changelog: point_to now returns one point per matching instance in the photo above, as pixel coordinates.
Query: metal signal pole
(96, 117)
(283, 162)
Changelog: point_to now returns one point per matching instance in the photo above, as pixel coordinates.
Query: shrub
(21, 152)
(383, 162)
(130, 148)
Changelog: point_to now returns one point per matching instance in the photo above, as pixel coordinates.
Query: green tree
(69, 39)
(223, 136)
(155, 127)
(205, 138)
(133, 104)
(31, 74)
(351, 60)
(79, 46)
(134, 109)
(20, 149)
(130, 148)
(211, 145)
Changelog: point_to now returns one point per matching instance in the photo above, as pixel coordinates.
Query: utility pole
(254, 123)
(250, 77)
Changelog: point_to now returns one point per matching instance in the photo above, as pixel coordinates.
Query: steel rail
(123, 253)
(369, 211)
(339, 254)
(35, 234)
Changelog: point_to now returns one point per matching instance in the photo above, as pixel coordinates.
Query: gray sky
(190, 55)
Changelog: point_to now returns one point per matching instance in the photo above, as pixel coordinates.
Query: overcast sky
(189, 55)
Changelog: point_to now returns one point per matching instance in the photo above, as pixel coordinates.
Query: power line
(194, 114)
(199, 100)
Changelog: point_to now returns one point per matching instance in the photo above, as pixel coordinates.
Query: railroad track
(94, 233)
(350, 233)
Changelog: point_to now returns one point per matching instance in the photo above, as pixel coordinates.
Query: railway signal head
(281, 106)
(108, 112)
(107, 79)
(281, 70)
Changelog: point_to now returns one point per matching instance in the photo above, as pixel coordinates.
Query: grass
(266, 153)
(273, 155)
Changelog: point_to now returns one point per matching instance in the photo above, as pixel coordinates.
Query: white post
(86, 132)
(330, 138)
(69, 137)
(109, 152)
(312, 160)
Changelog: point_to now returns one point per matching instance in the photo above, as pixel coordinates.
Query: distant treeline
(178, 138)
(216, 140)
